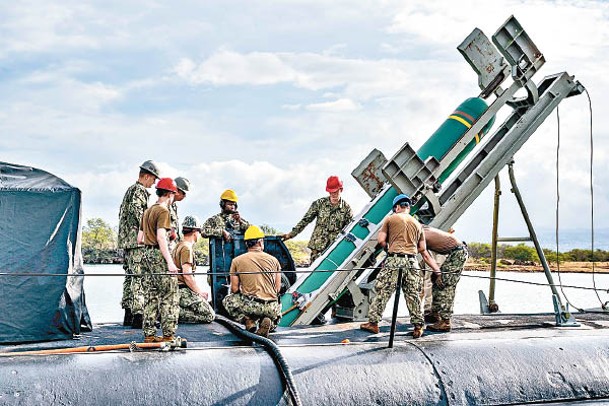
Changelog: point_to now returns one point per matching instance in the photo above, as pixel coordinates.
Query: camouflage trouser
(193, 308)
(133, 295)
(444, 299)
(426, 293)
(386, 283)
(314, 255)
(239, 306)
(161, 294)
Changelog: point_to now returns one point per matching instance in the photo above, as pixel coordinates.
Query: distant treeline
(525, 253)
(99, 246)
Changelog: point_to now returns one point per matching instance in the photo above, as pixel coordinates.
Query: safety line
(309, 272)
(603, 305)
(557, 210)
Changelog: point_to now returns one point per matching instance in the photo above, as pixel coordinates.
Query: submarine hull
(483, 365)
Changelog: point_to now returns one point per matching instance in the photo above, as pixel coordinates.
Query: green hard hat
(192, 222)
(182, 183)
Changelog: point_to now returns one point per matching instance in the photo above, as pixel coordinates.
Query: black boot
(128, 320)
(138, 321)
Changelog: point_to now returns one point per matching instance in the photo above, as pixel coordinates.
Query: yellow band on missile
(461, 120)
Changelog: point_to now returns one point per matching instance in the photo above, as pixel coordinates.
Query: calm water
(103, 293)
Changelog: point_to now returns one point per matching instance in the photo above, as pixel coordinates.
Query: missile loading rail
(444, 176)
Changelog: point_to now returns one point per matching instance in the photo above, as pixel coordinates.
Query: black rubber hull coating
(468, 371)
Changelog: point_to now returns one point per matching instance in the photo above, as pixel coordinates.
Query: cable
(272, 349)
(591, 183)
(530, 283)
(311, 272)
(558, 209)
(603, 305)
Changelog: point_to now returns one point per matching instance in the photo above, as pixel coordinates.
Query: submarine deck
(463, 327)
(487, 360)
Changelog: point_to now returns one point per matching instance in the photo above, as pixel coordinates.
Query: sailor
(175, 236)
(333, 213)
(159, 272)
(443, 296)
(221, 225)
(135, 202)
(255, 280)
(194, 307)
(426, 294)
(403, 236)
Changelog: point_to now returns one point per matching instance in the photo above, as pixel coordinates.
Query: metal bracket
(483, 303)
(363, 222)
(369, 173)
(408, 173)
(564, 318)
(519, 50)
(485, 60)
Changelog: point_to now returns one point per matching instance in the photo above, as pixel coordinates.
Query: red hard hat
(167, 184)
(333, 184)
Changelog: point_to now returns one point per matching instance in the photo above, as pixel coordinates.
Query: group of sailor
(159, 260)
(403, 237)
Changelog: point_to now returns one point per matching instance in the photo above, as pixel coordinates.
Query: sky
(269, 98)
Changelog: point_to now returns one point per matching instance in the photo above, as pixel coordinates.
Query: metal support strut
(493, 307)
(564, 318)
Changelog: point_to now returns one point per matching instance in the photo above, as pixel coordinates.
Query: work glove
(436, 279)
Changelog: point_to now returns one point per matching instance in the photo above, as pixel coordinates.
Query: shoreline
(566, 267)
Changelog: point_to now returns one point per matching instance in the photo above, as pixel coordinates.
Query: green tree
(601, 255)
(269, 230)
(98, 235)
(552, 257)
(202, 251)
(479, 250)
(578, 255)
(521, 252)
(299, 251)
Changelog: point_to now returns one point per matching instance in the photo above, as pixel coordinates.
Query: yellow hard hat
(253, 233)
(229, 195)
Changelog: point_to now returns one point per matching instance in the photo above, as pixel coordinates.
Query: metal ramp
(444, 176)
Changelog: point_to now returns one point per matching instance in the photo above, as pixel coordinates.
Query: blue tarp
(41, 283)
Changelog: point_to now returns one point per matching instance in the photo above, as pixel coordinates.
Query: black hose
(273, 351)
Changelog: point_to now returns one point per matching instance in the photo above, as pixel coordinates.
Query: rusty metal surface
(368, 173)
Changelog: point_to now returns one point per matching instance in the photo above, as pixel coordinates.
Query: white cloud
(43, 27)
(259, 98)
(355, 79)
(231, 68)
(268, 194)
(335, 106)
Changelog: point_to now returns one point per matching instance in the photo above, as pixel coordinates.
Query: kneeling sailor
(194, 307)
(255, 280)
